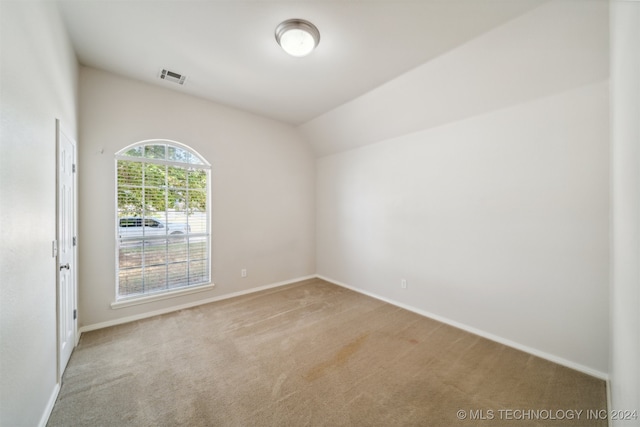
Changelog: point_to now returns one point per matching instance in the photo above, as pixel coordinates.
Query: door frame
(60, 132)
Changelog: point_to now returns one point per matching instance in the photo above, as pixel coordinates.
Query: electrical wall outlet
(243, 272)
(403, 283)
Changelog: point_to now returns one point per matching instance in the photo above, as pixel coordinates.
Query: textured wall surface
(262, 179)
(498, 218)
(38, 85)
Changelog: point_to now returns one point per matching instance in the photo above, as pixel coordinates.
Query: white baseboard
(44, 419)
(141, 316)
(544, 355)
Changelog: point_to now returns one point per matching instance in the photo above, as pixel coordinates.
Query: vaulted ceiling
(227, 49)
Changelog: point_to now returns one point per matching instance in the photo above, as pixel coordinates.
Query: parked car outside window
(140, 227)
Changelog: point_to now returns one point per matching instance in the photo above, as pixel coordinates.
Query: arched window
(162, 224)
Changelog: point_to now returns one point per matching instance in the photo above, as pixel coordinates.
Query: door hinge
(75, 314)
(75, 242)
(54, 248)
(73, 168)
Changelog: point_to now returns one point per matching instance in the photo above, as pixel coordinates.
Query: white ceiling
(228, 51)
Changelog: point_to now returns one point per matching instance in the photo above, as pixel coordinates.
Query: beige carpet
(313, 354)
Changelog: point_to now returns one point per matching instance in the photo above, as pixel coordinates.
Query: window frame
(144, 297)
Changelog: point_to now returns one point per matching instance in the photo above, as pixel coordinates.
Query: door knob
(62, 267)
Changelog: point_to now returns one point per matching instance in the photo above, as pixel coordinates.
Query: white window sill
(158, 297)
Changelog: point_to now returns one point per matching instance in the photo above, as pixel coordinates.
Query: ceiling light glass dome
(297, 37)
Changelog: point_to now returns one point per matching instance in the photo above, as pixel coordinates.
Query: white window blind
(162, 224)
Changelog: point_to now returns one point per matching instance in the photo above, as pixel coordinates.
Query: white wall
(499, 222)
(625, 189)
(560, 45)
(263, 183)
(38, 84)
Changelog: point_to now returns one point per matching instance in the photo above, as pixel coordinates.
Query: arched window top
(163, 151)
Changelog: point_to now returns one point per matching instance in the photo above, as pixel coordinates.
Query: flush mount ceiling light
(297, 37)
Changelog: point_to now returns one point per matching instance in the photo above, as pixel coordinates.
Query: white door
(66, 248)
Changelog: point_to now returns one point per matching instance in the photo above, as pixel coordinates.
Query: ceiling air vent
(170, 76)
